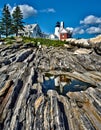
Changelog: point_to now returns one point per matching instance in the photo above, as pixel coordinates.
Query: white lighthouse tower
(57, 29)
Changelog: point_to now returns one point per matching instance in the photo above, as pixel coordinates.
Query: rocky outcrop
(95, 39)
(94, 43)
(49, 88)
(79, 42)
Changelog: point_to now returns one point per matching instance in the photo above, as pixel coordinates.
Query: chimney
(62, 24)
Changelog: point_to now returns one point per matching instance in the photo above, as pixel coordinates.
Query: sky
(83, 17)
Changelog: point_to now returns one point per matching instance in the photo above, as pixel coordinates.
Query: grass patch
(43, 41)
(47, 42)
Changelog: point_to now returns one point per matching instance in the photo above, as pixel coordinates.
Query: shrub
(43, 41)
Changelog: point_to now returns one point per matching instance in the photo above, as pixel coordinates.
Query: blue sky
(82, 16)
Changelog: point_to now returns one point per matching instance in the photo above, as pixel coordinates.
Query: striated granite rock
(49, 88)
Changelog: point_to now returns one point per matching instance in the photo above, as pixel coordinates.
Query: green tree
(17, 20)
(6, 21)
(0, 29)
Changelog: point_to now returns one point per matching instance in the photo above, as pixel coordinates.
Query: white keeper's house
(32, 30)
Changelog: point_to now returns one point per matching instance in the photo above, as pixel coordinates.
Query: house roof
(30, 27)
(63, 30)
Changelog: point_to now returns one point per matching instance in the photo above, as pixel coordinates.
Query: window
(35, 29)
(26, 33)
(63, 35)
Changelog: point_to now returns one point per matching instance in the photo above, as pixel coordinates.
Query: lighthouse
(57, 29)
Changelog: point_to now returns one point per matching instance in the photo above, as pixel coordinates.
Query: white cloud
(93, 30)
(70, 29)
(10, 8)
(27, 10)
(51, 10)
(91, 19)
(78, 30)
(92, 24)
(48, 10)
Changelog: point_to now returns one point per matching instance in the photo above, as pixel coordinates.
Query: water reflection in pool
(63, 85)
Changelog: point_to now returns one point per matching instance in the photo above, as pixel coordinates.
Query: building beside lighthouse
(60, 32)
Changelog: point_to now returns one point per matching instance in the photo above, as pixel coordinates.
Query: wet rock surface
(25, 102)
